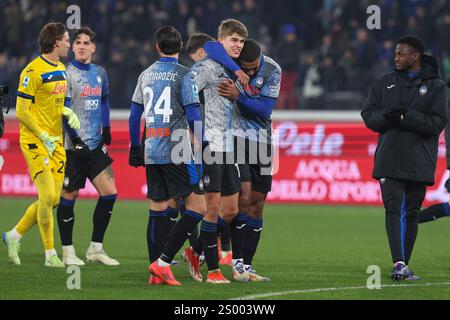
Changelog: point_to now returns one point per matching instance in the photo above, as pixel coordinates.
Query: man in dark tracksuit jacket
(440, 210)
(408, 109)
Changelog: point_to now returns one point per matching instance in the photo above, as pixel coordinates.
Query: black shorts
(78, 170)
(223, 176)
(255, 162)
(173, 181)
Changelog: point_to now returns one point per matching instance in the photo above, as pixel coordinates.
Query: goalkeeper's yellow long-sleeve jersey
(40, 99)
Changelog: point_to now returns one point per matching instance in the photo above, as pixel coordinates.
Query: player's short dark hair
(251, 51)
(414, 42)
(87, 31)
(230, 26)
(51, 32)
(196, 41)
(169, 40)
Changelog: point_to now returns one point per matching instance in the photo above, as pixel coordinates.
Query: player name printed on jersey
(161, 76)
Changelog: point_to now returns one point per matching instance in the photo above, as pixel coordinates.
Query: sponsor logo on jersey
(60, 88)
(89, 91)
(91, 104)
(157, 132)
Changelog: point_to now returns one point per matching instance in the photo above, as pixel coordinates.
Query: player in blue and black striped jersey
(87, 157)
(253, 136)
(167, 94)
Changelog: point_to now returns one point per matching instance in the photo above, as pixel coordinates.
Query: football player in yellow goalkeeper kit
(40, 110)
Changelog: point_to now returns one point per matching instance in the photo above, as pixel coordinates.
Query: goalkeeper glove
(72, 118)
(136, 159)
(81, 149)
(48, 142)
(106, 135)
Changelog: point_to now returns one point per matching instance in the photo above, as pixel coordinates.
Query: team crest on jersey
(206, 180)
(46, 162)
(423, 90)
(200, 185)
(99, 79)
(259, 82)
(25, 82)
(66, 181)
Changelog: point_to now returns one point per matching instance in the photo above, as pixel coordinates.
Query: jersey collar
(81, 65)
(50, 63)
(168, 59)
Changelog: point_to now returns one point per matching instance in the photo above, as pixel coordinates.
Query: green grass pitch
(302, 248)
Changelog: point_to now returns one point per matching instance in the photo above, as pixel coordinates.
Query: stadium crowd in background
(323, 46)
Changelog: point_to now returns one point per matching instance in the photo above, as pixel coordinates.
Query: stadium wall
(322, 158)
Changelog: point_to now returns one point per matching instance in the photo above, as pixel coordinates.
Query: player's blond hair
(230, 26)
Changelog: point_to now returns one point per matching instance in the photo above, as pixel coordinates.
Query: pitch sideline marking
(283, 293)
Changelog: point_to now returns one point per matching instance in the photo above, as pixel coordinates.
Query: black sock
(172, 218)
(156, 233)
(208, 236)
(179, 234)
(66, 219)
(237, 227)
(193, 238)
(198, 246)
(434, 212)
(102, 215)
(225, 238)
(252, 234)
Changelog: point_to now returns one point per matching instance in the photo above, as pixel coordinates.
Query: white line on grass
(284, 293)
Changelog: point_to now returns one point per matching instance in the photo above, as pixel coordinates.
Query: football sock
(237, 227)
(434, 212)
(45, 186)
(28, 220)
(208, 236)
(198, 247)
(193, 238)
(172, 218)
(179, 234)
(252, 233)
(225, 239)
(102, 215)
(49, 253)
(16, 236)
(156, 233)
(66, 220)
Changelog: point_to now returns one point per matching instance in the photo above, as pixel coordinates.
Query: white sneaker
(70, 258)
(93, 255)
(239, 274)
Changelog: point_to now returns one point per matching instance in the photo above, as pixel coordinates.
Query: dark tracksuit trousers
(402, 200)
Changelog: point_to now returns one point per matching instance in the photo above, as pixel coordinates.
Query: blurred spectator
(340, 54)
(287, 55)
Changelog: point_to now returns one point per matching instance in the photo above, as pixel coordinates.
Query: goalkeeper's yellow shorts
(38, 160)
